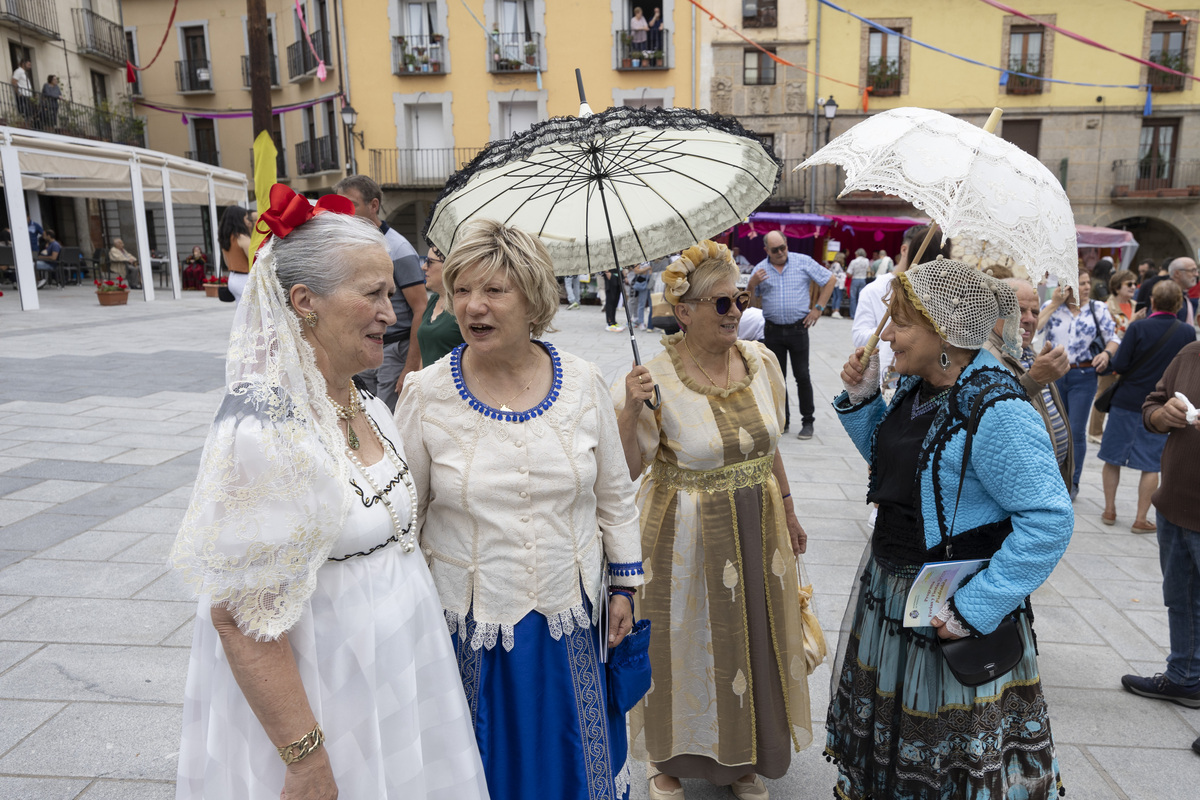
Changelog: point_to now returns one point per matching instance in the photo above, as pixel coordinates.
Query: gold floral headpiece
(675, 277)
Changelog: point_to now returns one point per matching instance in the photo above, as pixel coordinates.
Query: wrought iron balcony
(204, 156)
(1018, 84)
(272, 69)
(38, 112)
(193, 76)
(648, 54)
(1164, 81)
(514, 52)
(418, 169)
(36, 17)
(98, 37)
(883, 76)
(301, 61)
(280, 162)
(317, 155)
(1154, 178)
(418, 55)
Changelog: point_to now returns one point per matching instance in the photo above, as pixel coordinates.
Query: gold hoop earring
(310, 319)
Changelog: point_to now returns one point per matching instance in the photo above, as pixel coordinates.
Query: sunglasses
(778, 249)
(723, 303)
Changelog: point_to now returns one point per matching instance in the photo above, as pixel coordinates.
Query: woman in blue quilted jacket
(900, 725)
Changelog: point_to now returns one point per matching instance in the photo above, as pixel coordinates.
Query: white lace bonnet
(272, 493)
(963, 303)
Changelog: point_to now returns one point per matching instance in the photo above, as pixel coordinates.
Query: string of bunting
(132, 69)
(778, 59)
(1085, 40)
(1183, 18)
(237, 113)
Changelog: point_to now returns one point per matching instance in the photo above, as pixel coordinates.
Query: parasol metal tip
(585, 110)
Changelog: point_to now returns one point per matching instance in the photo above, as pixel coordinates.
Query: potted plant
(112, 293)
(531, 54)
(410, 62)
(213, 284)
(657, 56)
(635, 63)
(626, 61)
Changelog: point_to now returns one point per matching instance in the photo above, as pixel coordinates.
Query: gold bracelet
(302, 747)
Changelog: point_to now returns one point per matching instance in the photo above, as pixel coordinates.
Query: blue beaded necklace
(495, 413)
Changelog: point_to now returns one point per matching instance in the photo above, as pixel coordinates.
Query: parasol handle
(873, 342)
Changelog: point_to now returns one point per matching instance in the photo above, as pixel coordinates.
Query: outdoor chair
(71, 264)
(8, 265)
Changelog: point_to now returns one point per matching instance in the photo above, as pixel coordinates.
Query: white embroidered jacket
(516, 516)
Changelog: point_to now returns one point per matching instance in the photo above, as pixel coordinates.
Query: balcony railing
(99, 37)
(1156, 178)
(1018, 84)
(301, 61)
(280, 162)
(418, 55)
(650, 53)
(38, 17)
(514, 52)
(38, 112)
(427, 168)
(204, 156)
(272, 69)
(1164, 81)
(317, 155)
(883, 76)
(193, 76)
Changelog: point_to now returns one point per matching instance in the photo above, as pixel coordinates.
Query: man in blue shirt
(781, 281)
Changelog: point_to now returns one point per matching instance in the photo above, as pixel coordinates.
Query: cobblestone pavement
(103, 412)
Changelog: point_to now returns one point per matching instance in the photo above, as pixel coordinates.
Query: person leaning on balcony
(401, 348)
(51, 94)
(638, 28)
(656, 30)
(121, 261)
(23, 87)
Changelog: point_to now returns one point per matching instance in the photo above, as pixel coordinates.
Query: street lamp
(349, 117)
(831, 108)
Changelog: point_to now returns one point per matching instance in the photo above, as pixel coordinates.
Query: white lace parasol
(971, 182)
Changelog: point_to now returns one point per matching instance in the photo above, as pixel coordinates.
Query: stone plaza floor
(103, 412)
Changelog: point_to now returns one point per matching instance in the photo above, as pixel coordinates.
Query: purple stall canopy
(888, 224)
(793, 226)
(1104, 238)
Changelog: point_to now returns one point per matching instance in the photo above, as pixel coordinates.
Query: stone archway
(1157, 238)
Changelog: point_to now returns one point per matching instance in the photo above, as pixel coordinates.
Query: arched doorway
(1156, 239)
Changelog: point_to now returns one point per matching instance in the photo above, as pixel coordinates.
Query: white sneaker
(572, 306)
(42, 282)
(616, 328)
(836, 315)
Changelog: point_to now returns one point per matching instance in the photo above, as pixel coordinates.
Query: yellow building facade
(433, 82)
(1121, 167)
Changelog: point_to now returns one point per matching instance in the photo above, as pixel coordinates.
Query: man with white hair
(1037, 374)
(1183, 271)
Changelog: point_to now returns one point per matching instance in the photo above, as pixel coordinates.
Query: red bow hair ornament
(289, 211)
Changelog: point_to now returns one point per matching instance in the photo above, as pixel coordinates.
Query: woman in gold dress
(721, 543)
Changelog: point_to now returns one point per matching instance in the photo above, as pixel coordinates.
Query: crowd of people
(513, 580)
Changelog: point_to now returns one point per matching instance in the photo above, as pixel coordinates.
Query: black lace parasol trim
(581, 130)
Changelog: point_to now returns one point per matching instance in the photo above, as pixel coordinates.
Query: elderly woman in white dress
(320, 663)
(525, 501)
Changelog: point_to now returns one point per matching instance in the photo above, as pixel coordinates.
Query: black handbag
(1098, 343)
(224, 295)
(1103, 401)
(975, 660)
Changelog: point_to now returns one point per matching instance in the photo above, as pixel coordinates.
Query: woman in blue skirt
(525, 502)
(900, 725)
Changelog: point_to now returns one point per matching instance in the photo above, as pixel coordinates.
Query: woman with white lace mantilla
(730, 694)
(320, 664)
(525, 496)
(961, 468)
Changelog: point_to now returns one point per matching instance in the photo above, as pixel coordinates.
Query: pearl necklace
(406, 535)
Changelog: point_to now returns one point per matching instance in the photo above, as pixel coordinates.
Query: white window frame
(497, 99)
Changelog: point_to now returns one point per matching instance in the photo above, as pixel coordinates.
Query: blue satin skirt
(541, 713)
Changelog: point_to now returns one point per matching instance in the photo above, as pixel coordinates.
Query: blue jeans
(1179, 556)
(856, 286)
(835, 300)
(641, 305)
(1078, 390)
(572, 284)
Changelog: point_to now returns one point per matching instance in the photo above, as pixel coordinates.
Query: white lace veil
(272, 493)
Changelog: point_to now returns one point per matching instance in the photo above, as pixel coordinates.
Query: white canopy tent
(69, 167)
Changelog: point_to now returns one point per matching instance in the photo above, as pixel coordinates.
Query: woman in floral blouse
(1088, 333)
